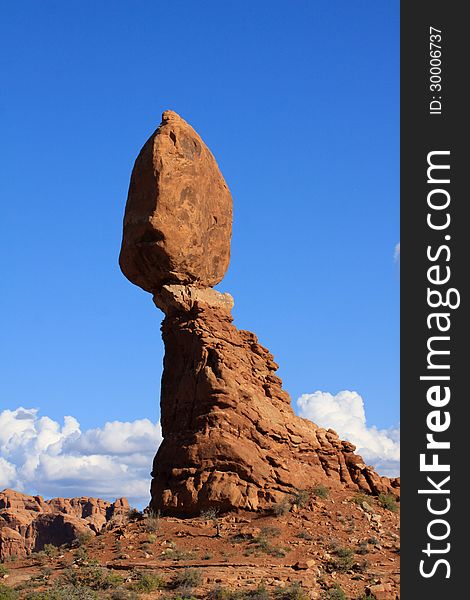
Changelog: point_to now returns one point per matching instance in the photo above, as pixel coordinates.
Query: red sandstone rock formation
(230, 437)
(178, 219)
(27, 523)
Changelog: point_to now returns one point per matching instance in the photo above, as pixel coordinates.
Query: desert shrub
(321, 491)
(362, 567)
(7, 593)
(152, 522)
(188, 578)
(50, 550)
(343, 560)
(305, 535)
(210, 514)
(173, 553)
(260, 593)
(65, 592)
(3, 570)
(365, 596)
(134, 514)
(220, 593)
(293, 592)
(281, 508)
(359, 498)
(388, 501)
(300, 498)
(262, 543)
(92, 577)
(122, 594)
(148, 582)
(83, 538)
(363, 547)
(334, 593)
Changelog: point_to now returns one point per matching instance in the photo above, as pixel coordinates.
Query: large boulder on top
(178, 217)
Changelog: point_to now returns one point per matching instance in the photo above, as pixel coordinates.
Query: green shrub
(334, 593)
(122, 594)
(92, 577)
(175, 554)
(281, 508)
(67, 592)
(293, 592)
(260, 593)
(188, 578)
(359, 498)
(343, 560)
(152, 522)
(305, 535)
(300, 498)
(3, 570)
(210, 514)
(220, 593)
(148, 582)
(321, 491)
(7, 593)
(363, 547)
(83, 538)
(388, 501)
(50, 550)
(262, 543)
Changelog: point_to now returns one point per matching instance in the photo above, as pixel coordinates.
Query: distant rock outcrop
(230, 437)
(28, 523)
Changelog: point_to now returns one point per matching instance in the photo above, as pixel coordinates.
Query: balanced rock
(178, 218)
(28, 523)
(230, 437)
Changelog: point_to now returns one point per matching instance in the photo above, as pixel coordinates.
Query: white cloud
(345, 413)
(39, 455)
(396, 253)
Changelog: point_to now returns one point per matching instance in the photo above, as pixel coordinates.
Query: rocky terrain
(318, 543)
(248, 501)
(28, 523)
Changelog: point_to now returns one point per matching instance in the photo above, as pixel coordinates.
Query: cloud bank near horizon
(344, 412)
(39, 455)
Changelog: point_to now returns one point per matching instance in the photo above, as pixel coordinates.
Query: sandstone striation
(27, 523)
(230, 437)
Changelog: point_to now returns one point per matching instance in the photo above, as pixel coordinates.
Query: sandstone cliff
(27, 523)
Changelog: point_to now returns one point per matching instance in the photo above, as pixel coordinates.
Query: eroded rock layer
(230, 437)
(28, 523)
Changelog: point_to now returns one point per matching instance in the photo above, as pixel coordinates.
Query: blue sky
(299, 102)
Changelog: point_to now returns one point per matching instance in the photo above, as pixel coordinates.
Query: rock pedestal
(230, 437)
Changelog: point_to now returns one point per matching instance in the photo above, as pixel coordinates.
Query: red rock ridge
(27, 523)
